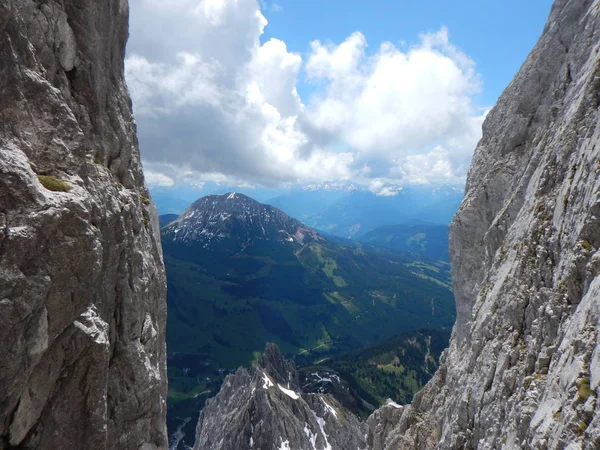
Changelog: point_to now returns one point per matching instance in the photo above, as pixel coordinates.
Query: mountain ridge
(253, 252)
(428, 241)
(265, 393)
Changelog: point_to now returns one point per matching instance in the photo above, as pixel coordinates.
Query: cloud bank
(213, 103)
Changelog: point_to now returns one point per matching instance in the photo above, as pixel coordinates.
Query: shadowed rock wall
(82, 284)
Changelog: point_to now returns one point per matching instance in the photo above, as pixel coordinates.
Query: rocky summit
(263, 408)
(82, 284)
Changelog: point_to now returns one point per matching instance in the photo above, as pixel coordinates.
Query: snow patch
(312, 437)
(288, 392)
(285, 445)
(393, 404)
(322, 423)
(267, 383)
(330, 408)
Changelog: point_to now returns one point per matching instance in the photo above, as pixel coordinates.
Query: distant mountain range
(344, 210)
(422, 241)
(355, 212)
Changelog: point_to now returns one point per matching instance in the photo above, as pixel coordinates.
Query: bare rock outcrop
(82, 284)
(523, 367)
(262, 408)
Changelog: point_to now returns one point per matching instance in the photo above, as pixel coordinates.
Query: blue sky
(497, 35)
(276, 94)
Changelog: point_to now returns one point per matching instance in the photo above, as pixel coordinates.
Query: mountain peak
(261, 408)
(277, 367)
(227, 198)
(234, 216)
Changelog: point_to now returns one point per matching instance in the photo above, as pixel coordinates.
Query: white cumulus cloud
(211, 100)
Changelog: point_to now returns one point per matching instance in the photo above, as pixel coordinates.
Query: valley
(394, 369)
(421, 241)
(237, 280)
(241, 274)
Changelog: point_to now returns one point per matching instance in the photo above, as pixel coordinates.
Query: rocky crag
(523, 367)
(263, 408)
(82, 284)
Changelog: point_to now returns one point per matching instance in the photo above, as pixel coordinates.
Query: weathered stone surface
(262, 408)
(82, 285)
(522, 370)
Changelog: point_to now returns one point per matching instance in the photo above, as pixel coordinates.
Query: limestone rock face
(82, 284)
(262, 408)
(523, 367)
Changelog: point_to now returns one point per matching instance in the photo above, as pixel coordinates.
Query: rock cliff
(523, 367)
(82, 284)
